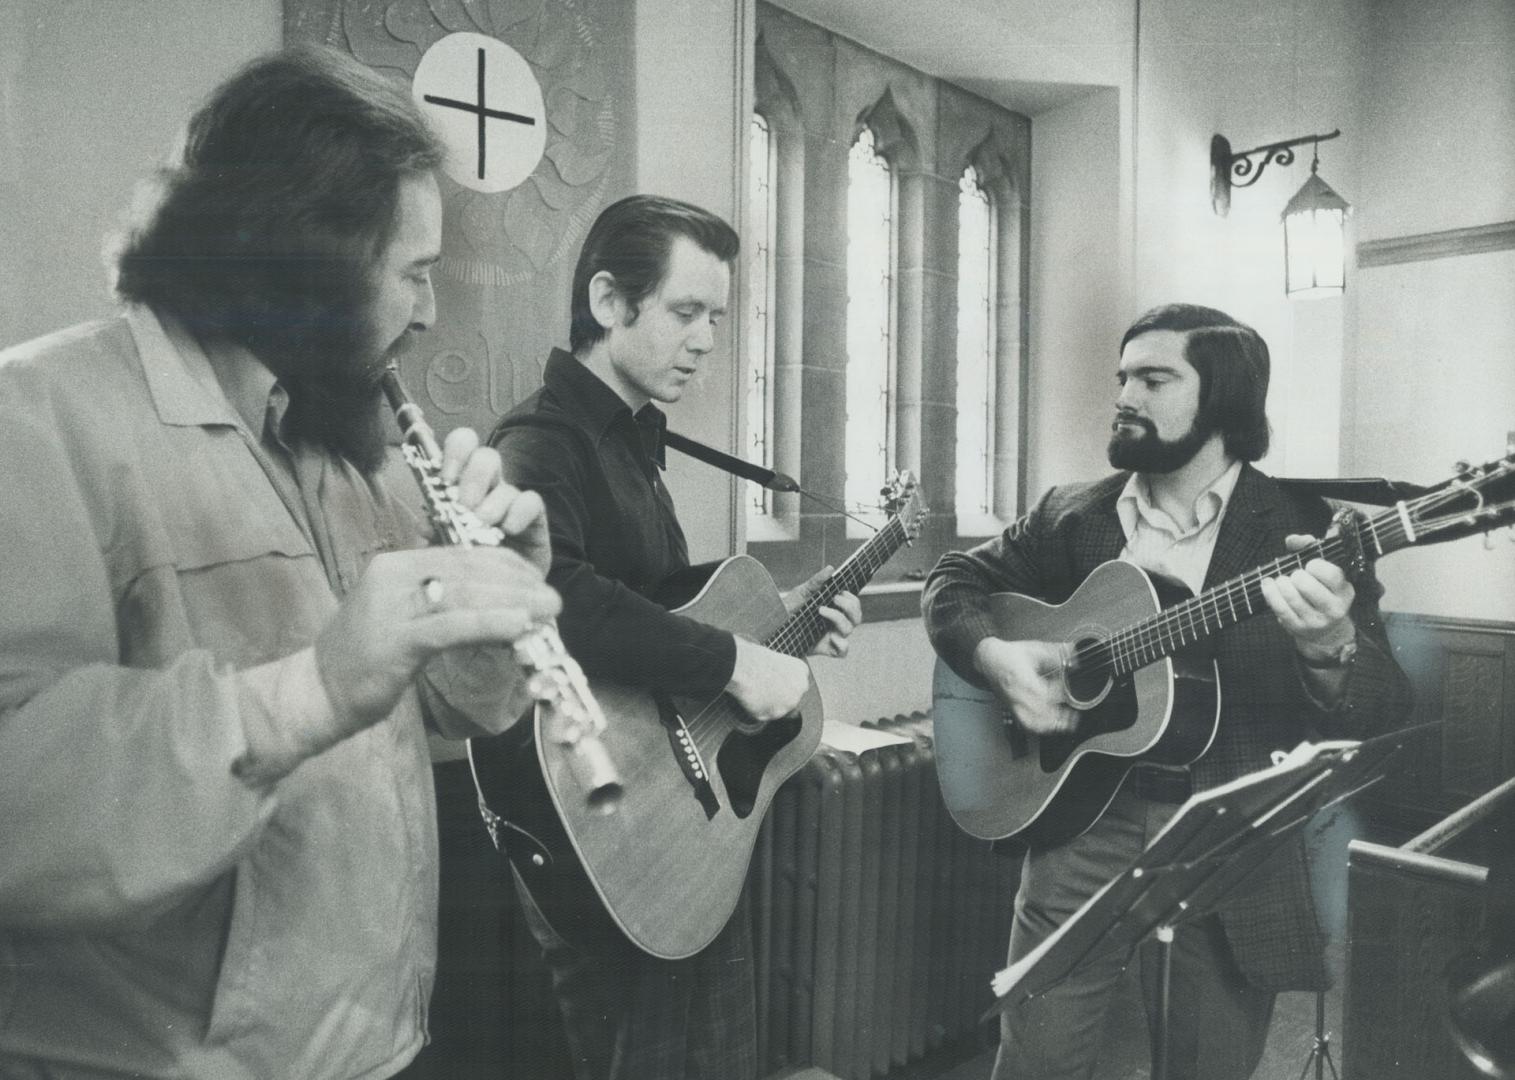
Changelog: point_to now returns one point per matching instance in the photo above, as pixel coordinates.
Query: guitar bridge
(691, 762)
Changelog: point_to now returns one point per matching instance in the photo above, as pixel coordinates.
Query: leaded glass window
(975, 346)
(870, 280)
(760, 243)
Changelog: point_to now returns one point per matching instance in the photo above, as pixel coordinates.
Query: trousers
(1218, 1023)
(631, 1016)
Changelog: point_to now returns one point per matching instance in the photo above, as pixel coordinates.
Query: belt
(1161, 784)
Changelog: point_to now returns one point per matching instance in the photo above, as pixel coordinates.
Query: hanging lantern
(1315, 220)
(1315, 243)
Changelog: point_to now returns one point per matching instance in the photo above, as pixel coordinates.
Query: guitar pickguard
(743, 759)
(1116, 711)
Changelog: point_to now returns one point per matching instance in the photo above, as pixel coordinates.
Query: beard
(330, 368)
(1146, 452)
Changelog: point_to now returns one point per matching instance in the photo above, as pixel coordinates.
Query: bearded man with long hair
(226, 637)
(1189, 505)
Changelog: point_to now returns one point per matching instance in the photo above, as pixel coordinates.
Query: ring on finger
(433, 592)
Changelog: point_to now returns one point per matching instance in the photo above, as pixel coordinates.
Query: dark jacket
(1264, 705)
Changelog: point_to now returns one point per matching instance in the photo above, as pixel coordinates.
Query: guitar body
(1000, 782)
(1135, 669)
(670, 864)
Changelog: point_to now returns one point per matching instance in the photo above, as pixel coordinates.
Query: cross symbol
(482, 111)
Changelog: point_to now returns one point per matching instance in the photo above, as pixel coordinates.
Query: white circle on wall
(483, 101)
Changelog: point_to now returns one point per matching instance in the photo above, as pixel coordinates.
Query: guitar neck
(1235, 600)
(806, 626)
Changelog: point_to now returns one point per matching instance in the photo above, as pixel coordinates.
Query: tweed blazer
(1271, 922)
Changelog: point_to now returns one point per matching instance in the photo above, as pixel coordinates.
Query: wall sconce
(1315, 219)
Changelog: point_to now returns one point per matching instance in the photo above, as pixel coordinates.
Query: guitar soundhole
(1085, 684)
(1116, 712)
(743, 759)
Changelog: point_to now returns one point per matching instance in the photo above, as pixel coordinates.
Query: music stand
(1215, 840)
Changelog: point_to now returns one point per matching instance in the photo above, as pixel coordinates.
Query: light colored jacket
(159, 917)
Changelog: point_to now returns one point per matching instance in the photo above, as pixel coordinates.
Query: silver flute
(568, 714)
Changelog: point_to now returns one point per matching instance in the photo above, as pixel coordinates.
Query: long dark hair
(631, 240)
(1232, 361)
(287, 192)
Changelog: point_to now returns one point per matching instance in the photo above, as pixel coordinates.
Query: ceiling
(1027, 55)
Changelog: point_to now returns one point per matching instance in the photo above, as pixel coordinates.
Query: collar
(652, 425)
(1135, 504)
(179, 375)
(185, 381)
(597, 408)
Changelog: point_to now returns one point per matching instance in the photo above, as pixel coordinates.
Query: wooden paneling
(1463, 674)
(1408, 918)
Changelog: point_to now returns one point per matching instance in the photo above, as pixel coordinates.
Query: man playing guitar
(1189, 421)
(652, 281)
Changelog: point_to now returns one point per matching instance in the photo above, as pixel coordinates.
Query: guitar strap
(768, 478)
(1370, 490)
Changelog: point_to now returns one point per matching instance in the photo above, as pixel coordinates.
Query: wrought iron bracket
(1228, 169)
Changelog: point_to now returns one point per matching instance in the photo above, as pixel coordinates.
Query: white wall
(887, 671)
(1433, 342)
(92, 97)
(1255, 73)
(691, 125)
(1077, 289)
(1438, 109)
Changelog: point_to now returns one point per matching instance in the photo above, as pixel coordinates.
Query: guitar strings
(1148, 640)
(804, 627)
(1179, 625)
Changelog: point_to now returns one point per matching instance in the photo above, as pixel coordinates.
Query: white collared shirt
(1155, 542)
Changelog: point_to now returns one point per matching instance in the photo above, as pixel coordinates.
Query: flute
(573, 719)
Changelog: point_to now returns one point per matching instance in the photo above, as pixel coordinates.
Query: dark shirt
(615, 534)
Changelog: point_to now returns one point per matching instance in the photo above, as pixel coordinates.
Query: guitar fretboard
(1232, 601)
(807, 626)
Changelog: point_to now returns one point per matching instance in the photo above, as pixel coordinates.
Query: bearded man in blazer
(1188, 504)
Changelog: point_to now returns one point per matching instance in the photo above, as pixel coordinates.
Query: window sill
(771, 529)
(892, 600)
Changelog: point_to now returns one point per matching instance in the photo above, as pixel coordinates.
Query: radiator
(877, 922)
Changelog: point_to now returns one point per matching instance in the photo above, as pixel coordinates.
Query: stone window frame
(816, 89)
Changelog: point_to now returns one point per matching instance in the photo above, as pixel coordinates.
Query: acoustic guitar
(1133, 668)
(668, 866)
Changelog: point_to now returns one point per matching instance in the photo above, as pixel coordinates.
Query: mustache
(1123, 417)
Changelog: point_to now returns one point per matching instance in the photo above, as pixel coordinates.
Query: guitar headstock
(902, 499)
(1477, 499)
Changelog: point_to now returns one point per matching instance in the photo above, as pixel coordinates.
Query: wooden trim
(1416, 864)
(1447, 622)
(1420, 247)
(896, 600)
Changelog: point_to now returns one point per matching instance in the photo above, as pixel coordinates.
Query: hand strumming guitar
(1028, 677)
(769, 685)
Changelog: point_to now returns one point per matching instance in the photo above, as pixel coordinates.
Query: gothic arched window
(870, 322)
